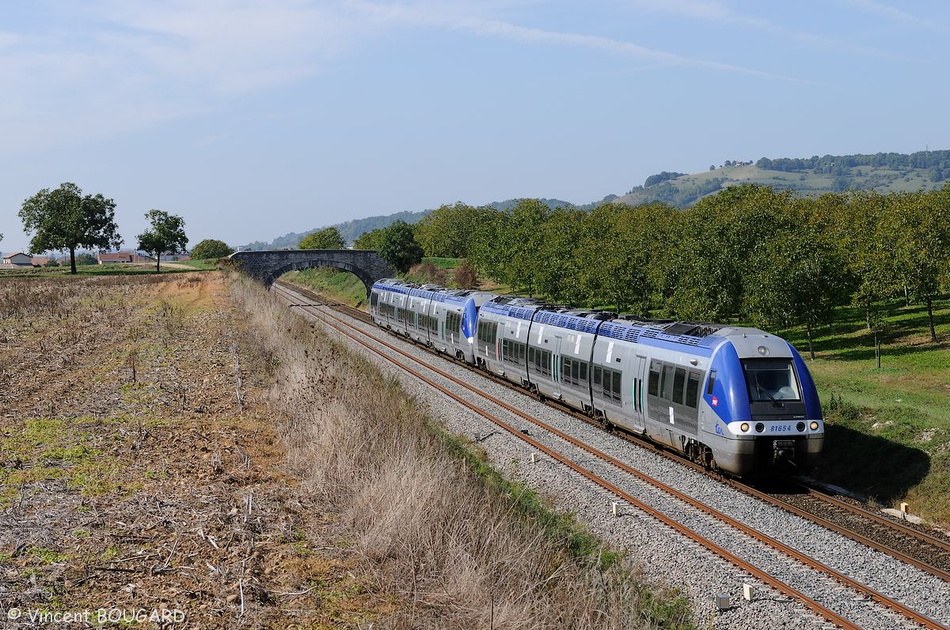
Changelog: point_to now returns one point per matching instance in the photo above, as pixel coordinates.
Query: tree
(64, 220)
(867, 247)
(560, 275)
(85, 258)
(918, 225)
(518, 245)
(372, 240)
(327, 238)
(211, 248)
(796, 279)
(448, 230)
(167, 235)
(623, 252)
(399, 247)
(713, 243)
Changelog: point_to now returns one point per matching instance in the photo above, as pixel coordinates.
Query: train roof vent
(626, 333)
(692, 329)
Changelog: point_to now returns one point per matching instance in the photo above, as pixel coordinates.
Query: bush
(465, 276)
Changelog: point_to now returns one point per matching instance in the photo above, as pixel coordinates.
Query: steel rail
(853, 535)
(767, 540)
(877, 518)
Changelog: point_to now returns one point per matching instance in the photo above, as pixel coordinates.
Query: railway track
(927, 552)
(399, 357)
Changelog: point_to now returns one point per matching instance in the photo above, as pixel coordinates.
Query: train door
(556, 366)
(637, 391)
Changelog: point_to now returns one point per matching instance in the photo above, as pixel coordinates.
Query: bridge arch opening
(267, 266)
(302, 265)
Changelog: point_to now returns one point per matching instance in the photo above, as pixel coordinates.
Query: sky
(251, 119)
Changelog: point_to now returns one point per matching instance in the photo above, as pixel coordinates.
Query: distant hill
(883, 172)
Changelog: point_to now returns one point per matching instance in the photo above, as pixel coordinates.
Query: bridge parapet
(267, 266)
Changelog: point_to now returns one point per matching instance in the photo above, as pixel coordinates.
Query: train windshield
(771, 380)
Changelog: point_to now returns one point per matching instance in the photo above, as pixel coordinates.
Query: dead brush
(455, 552)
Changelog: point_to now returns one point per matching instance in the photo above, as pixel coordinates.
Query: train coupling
(783, 451)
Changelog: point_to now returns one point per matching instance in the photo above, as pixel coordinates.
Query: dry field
(185, 451)
(141, 469)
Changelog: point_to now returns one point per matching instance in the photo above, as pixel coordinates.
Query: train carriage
(388, 302)
(431, 315)
(737, 399)
(502, 337)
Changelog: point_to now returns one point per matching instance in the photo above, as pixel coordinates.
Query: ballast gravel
(664, 555)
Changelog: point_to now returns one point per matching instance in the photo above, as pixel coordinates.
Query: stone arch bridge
(267, 266)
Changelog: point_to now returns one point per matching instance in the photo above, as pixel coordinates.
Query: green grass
(888, 428)
(208, 264)
(342, 285)
(45, 449)
(112, 269)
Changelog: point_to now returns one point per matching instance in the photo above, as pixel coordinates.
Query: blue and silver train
(734, 399)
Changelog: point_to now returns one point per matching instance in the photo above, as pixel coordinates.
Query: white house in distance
(18, 259)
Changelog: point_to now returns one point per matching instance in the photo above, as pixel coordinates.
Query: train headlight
(800, 427)
(744, 427)
(759, 427)
(814, 425)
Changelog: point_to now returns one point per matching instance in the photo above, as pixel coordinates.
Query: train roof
(622, 327)
(434, 292)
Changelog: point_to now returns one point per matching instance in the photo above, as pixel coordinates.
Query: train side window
(566, 370)
(615, 386)
(679, 384)
(582, 373)
(373, 299)
(666, 382)
(453, 322)
(653, 387)
(712, 381)
(598, 377)
(692, 389)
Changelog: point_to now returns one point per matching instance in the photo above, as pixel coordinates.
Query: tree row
(747, 254)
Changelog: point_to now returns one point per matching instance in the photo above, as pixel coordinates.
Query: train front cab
(759, 410)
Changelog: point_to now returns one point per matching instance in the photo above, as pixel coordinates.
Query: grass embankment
(450, 541)
(888, 428)
(343, 286)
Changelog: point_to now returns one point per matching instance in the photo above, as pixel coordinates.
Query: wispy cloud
(879, 8)
(106, 67)
(439, 15)
(705, 10)
(114, 66)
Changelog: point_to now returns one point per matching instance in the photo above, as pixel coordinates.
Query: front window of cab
(771, 380)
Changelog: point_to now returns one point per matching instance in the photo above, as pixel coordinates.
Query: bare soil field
(141, 474)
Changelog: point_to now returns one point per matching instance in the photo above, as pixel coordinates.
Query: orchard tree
(622, 251)
(448, 230)
(371, 240)
(64, 220)
(399, 247)
(868, 249)
(327, 238)
(920, 225)
(797, 279)
(211, 248)
(167, 235)
(560, 276)
(714, 243)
